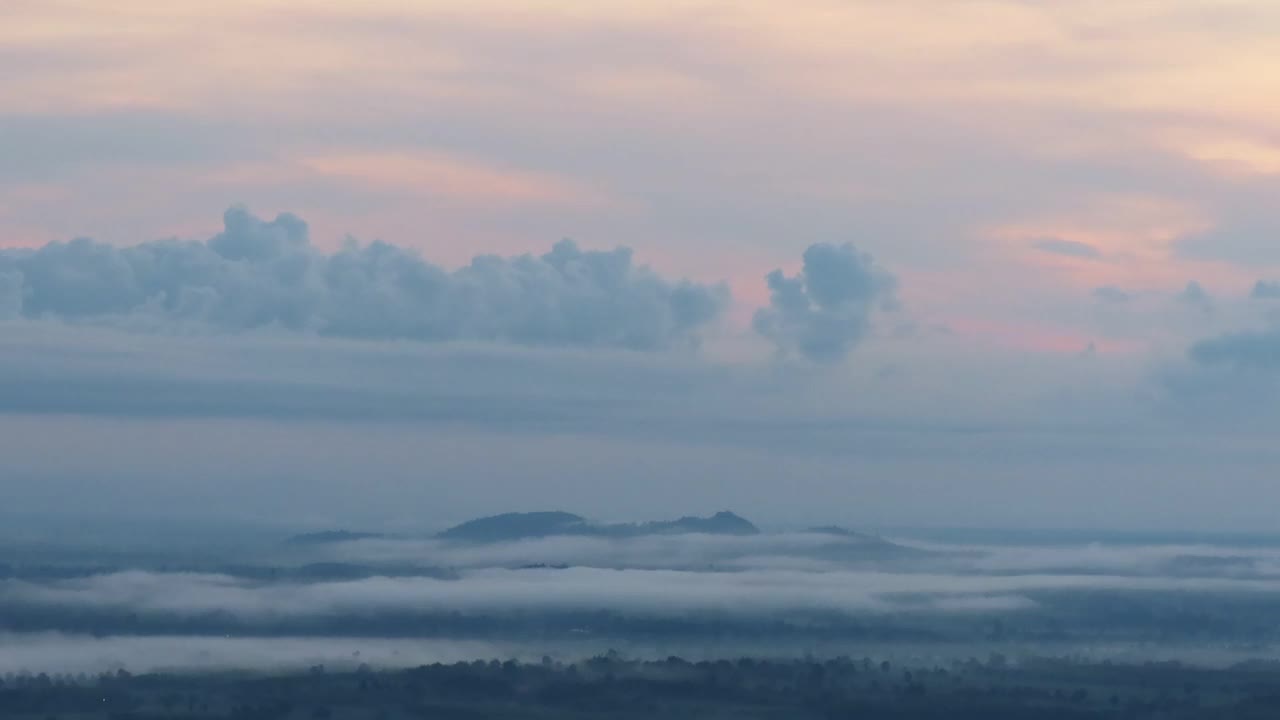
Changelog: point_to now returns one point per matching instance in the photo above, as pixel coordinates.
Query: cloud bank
(825, 310)
(267, 274)
(810, 550)
(641, 593)
(746, 593)
(668, 577)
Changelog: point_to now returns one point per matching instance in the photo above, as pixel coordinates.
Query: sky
(394, 264)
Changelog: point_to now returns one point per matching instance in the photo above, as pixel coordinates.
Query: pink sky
(718, 139)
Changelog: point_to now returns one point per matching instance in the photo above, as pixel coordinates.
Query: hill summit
(525, 525)
(516, 526)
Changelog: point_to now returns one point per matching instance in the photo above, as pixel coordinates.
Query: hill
(520, 526)
(517, 526)
(722, 523)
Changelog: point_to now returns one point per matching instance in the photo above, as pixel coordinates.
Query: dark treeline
(612, 687)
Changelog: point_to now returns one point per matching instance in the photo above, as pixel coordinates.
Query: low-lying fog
(403, 602)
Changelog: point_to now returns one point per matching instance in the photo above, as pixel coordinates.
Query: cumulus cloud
(1068, 248)
(1196, 296)
(267, 274)
(825, 310)
(1266, 290)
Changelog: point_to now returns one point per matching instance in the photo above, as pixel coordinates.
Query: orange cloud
(1234, 154)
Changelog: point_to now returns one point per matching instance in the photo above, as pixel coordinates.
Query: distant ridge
(331, 536)
(843, 532)
(517, 526)
(722, 523)
(522, 526)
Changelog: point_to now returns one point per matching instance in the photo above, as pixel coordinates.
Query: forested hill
(523, 525)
